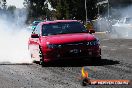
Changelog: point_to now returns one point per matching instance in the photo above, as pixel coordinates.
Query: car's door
(34, 43)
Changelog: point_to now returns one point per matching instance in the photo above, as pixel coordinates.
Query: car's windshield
(62, 28)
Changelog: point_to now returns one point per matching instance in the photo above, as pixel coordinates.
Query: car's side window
(37, 30)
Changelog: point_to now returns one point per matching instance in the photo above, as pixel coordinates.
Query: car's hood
(68, 38)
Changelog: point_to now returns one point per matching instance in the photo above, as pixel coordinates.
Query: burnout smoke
(123, 28)
(119, 25)
(14, 39)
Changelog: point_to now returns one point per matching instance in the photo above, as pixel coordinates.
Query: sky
(17, 3)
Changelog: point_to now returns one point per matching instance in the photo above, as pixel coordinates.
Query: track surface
(116, 63)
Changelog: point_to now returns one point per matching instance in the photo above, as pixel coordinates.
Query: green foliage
(11, 9)
(64, 9)
(37, 9)
(69, 9)
(3, 4)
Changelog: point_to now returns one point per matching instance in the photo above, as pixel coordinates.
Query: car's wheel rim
(41, 58)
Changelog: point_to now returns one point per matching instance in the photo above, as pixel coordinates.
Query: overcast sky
(17, 3)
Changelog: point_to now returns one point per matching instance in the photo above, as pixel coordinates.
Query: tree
(11, 9)
(69, 9)
(0, 5)
(64, 9)
(37, 9)
(4, 6)
(120, 3)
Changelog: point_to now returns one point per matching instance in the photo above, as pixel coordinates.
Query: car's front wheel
(41, 62)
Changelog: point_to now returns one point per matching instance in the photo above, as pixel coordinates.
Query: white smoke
(113, 26)
(18, 4)
(14, 38)
(123, 28)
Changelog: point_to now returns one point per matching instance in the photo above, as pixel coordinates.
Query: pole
(98, 10)
(86, 10)
(108, 9)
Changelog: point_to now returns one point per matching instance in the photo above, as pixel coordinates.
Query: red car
(63, 39)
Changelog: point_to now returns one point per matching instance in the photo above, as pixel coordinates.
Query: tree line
(71, 9)
(63, 9)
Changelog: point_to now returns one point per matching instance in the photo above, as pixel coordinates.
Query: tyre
(86, 81)
(41, 62)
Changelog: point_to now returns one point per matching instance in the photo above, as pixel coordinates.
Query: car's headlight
(54, 46)
(93, 43)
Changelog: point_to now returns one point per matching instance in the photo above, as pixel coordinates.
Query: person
(89, 25)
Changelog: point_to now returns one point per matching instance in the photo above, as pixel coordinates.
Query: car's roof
(56, 21)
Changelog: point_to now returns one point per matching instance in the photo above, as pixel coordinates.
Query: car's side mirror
(34, 36)
(91, 31)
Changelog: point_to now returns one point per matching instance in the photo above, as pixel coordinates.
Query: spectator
(89, 25)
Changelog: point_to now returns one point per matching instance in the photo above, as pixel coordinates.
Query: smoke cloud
(117, 26)
(14, 38)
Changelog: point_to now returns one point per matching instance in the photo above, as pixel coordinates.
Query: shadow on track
(70, 63)
(80, 63)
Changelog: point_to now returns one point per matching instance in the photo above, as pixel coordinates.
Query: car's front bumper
(72, 53)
